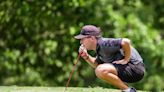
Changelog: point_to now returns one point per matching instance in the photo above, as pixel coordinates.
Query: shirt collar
(98, 44)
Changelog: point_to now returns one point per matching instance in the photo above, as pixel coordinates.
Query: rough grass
(56, 89)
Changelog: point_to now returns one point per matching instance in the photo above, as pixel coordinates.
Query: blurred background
(37, 45)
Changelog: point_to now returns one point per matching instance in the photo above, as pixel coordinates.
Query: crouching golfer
(117, 62)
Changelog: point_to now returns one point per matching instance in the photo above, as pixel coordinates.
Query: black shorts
(130, 72)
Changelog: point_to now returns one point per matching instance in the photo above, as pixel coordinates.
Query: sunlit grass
(55, 89)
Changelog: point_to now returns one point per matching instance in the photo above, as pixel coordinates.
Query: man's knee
(102, 70)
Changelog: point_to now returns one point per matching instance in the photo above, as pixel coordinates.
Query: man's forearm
(91, 61)
(127, 49)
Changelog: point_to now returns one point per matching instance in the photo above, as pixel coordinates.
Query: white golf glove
(83, 52)
(82, 49)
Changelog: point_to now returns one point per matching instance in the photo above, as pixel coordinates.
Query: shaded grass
(55, 89)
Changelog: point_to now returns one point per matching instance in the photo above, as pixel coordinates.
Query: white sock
(127, 90)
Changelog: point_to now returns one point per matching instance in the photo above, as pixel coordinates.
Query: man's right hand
(83, 52)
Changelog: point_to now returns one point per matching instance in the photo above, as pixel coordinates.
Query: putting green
(55, 89)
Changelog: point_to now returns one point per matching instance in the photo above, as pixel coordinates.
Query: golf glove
(83, 52)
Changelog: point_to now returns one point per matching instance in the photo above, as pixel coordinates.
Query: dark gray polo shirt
(110, 49)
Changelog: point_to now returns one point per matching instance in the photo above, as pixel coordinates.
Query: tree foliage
(37, 45)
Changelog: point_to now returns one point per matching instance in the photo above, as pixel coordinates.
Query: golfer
(116, 61)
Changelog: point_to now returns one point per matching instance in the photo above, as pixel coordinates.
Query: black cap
(89, 30)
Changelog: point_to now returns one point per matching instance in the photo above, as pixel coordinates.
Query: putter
(72, 72)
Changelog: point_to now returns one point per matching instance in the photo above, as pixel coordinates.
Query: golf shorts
(130, 72)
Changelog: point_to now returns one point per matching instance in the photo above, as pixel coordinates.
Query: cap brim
(80, 36)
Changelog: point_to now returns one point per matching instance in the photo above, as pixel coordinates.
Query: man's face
(86, 42)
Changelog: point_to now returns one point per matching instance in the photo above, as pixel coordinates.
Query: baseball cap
(89, 30)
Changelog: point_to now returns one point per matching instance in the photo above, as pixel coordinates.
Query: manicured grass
(55, 89)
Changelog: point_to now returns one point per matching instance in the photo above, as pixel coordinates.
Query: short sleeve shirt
(110, 49)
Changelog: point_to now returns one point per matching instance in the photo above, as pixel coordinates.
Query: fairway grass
(55, 89)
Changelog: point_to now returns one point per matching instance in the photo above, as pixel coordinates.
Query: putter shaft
(72, 72)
